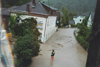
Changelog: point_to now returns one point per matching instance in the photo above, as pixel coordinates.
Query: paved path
(68, 53)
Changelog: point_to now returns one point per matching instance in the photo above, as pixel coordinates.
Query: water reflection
(51, 63)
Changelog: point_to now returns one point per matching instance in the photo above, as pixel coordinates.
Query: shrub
(26, 26)
(73, 25)
(25, 48)
(84, 33)
(83, 42)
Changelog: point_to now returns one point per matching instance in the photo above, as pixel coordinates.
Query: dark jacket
(53, 53)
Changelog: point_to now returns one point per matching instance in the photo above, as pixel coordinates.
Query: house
(45, 15)
(78, 19)
(91, 18)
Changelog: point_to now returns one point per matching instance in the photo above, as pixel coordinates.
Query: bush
(73, 25)
(84, 33)
(26, 26)
(25, 48)
(83, 42)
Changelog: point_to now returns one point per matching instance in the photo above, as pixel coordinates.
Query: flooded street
(68, 52)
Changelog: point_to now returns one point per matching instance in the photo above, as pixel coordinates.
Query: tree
(65, 18)
(84, 33)
(83, 30)
(79, 6)
(10, 3)
(26, 26)
(25, 48)
(11, 25)
(71, 15)
(26, 45)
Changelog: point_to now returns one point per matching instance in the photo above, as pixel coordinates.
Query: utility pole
(93, 59)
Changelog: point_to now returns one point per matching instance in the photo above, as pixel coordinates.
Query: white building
(78, 19)
(45, 16)
(91, 18)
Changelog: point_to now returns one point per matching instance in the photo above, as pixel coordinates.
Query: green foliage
(9, 3)
(26, 45)
(73, 25)
(78, 6)
(71, 15)
(83, 28)
(26, 26)
(25, 48)
(78, 25)
(83, 42)
(12, 24)
(65, 18)
(84, 33)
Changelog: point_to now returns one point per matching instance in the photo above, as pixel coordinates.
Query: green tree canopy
(83, 29)
(9, 3)
(76, 6)
(25, 48)
(26, 26)
(84, 33)
(65, 18)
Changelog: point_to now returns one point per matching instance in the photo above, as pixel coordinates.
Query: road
(68, 52)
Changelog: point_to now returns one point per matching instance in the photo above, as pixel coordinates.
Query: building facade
(46, 21)
(91, 18)
(78, 19)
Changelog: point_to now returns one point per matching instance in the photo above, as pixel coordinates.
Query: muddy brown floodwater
(68, 52)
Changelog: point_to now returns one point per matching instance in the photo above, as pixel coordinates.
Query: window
(80, 20)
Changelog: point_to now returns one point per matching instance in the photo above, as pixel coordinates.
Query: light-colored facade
(89, 21)
(78, 19)
(46, 26)
(91, 18)
(50, 27)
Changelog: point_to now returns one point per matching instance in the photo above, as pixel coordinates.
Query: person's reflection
(51, 63)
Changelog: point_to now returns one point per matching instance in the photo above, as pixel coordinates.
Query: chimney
(34, 3)
(43, 2)
(28, 7)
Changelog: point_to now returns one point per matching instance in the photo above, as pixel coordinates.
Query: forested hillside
(74, 5)
(9, 3)
(77, 6)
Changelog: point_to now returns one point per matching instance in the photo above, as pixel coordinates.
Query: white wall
(50, 27)
(77, 19)
(89, 21)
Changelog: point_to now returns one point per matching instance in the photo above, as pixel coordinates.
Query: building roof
(35, 8)
(71, 22)
(84, 14)
(5, 11)
(38, 8)
(52, 8)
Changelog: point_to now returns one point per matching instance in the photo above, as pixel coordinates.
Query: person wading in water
(52, 54)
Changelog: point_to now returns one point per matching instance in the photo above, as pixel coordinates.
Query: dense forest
(76, 6)
(9, 3)
(82, 6)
